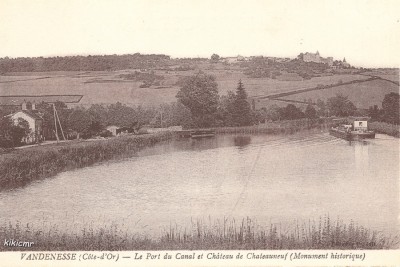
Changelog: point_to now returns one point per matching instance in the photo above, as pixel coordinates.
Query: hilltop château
(311, 57)
(334, 64)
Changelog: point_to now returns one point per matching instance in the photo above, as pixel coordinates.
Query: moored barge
(358, 130)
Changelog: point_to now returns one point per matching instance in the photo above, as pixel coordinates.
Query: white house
(35, 125)
(113, 129)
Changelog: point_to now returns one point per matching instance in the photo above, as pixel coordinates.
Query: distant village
(305, 57)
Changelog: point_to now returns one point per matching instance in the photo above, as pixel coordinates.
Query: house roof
(17, 100)
(29, 113)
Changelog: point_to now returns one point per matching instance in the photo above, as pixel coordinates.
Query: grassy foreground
(225, 234)
(23, 166)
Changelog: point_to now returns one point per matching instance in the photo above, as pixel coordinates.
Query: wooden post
(55, 122)
(58, 118)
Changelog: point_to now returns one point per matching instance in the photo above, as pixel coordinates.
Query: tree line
(390, 109)
(83, 63)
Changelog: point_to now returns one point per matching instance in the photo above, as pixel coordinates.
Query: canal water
(269, 178)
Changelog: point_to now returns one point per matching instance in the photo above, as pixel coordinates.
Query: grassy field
(389, 74)
(108, 87)
(363, 95)
(227, 234)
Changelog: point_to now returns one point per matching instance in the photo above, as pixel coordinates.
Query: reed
(281, 127)
(386, 128)
(21, 167)
(245, 234)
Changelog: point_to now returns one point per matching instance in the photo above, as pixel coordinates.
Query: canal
(283, 179)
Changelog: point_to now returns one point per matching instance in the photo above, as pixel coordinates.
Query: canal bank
(385, 128)
(20, 167)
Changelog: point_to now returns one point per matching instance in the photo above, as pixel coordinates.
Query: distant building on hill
(234, 59)
(345, 64)
(311, 57)
(338, 64)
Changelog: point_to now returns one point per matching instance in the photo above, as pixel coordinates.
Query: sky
(366, 33)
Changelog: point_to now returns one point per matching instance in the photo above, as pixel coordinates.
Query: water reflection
(242, 141)
(361, 156)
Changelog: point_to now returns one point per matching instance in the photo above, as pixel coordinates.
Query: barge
(358, 130)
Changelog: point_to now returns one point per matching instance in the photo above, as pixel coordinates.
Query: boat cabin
(360, 125)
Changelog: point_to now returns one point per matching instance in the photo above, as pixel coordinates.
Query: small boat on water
(352, 132)
(202, 133)
(196, 133)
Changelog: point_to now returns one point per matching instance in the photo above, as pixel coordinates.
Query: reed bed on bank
(247, 234)
(385, 128)
(226, 234)
(282, 127)
(23, 166)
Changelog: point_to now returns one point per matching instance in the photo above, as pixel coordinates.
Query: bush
(106, 133)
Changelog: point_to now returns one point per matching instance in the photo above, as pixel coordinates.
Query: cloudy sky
(366, 32)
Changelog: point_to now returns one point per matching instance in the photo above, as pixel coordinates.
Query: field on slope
(363, 95)
(389, 74)
(109, 86)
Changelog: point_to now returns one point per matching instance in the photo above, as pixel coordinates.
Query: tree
(291, 112)
(374, 112)
(226, 109)
(199, 93)
(79, 121)
(172, 114)
(310, 112)
(242, 115)
(390, 106)
(341, 106)
(121, 115)
(273, 113)
(215, 58)
(98, 113)
(5, 132)
(11, 134)
(321, 108)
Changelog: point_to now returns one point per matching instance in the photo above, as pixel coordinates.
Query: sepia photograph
(199, 133)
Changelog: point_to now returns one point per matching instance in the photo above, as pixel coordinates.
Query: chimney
(24, 105)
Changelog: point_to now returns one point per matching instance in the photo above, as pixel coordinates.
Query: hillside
(363, 95)
(160, 83)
